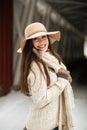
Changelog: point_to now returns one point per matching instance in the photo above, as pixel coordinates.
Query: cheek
(47, 42)
(35, 45)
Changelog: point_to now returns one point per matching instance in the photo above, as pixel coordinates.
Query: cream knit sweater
(44, 111)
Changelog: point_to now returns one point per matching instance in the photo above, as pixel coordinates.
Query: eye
(34, 39)
(44, 36)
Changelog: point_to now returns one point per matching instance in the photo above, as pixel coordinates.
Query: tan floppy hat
(35, 30)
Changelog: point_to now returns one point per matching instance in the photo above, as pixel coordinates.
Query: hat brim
(53, 36)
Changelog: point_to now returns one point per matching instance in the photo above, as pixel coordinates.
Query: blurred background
(67, 16)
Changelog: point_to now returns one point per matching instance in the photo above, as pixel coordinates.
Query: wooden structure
(6, 33)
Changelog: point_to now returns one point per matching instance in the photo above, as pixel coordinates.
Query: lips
(41, 46)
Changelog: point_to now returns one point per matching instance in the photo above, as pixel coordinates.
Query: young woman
(46, 80)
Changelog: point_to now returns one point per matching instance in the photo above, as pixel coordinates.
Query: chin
(44, 49)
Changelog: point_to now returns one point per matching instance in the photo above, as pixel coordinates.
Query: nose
(40, 39)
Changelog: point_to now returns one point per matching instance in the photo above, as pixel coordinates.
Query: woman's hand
(64, 74)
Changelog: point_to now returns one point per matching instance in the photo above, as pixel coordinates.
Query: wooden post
(6, 33)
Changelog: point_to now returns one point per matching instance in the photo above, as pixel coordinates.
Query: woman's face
(41, 43)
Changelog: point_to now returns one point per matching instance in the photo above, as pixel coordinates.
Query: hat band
(35, 33)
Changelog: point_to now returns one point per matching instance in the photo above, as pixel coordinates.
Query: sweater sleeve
(42, 96)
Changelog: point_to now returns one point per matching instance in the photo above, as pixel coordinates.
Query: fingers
(65, 74)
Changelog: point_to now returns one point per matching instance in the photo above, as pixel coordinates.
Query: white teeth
(41, 46)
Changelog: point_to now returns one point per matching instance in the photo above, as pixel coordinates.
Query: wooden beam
(66, 2)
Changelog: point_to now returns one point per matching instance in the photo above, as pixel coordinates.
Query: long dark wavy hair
(28, 56)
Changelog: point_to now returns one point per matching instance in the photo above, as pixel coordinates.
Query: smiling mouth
(42, 46)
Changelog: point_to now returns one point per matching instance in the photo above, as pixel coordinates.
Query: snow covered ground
(13, 111)
(14, 108)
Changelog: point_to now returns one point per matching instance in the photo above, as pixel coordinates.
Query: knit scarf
(50, 60)
(66, 98)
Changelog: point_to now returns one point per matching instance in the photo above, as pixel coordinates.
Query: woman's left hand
(64, 74)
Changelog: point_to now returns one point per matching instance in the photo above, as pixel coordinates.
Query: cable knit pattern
(44, 113)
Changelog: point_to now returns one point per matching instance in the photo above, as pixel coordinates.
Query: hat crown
(34, 28)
